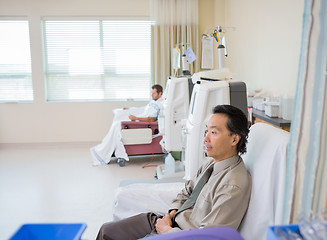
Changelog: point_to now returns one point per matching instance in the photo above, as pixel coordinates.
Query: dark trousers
(130, 228)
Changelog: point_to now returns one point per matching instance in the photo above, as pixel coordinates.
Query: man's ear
(236, 138)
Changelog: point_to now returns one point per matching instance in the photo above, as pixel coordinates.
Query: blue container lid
(271, 235)
(38, 231)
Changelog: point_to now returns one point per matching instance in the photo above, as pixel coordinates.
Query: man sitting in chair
(219, 193)
(112, 142)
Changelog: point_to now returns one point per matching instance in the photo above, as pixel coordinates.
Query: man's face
(220, 143)
(155, 94)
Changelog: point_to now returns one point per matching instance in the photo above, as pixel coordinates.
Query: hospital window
(15, 61)
(97, 60)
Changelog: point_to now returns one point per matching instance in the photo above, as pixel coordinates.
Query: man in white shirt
(112, 142)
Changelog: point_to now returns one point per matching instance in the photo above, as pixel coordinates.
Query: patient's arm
(146, 119)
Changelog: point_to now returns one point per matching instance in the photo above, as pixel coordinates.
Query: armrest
(141, 124)
(209, 233)
(134, 125)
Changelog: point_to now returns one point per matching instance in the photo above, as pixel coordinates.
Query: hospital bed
(265, 160)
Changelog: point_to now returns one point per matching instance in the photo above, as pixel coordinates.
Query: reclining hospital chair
(141, 137)
(266, 162)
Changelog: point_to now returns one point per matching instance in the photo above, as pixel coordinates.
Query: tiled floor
(58, 184)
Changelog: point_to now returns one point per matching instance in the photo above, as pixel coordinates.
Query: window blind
(15, 62)
(89, 60)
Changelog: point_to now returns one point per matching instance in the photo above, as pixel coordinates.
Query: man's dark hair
(237, 123)
(158, 88)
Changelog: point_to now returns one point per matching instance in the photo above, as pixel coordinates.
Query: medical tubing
(152, 157)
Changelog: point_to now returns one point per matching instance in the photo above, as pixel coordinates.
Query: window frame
(95, 18)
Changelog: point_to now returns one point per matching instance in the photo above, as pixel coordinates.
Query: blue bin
(271, 235)
(65, 231)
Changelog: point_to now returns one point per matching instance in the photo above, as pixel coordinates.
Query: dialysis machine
(175, 110)
(183, 122)
(206, 95)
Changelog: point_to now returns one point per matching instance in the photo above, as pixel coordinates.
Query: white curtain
(175, 22)
(306, 186)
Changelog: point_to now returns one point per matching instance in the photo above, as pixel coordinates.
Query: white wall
(263, 52)
(264, 49)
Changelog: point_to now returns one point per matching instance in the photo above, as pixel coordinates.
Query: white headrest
(266, 162)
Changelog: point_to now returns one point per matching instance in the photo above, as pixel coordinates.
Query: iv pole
(218, 35)
(185, 63)
(221, 50)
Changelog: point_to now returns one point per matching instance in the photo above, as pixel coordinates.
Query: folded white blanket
(144, 197)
